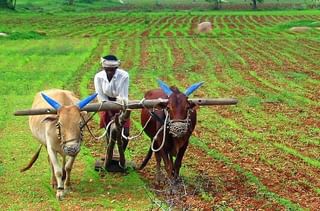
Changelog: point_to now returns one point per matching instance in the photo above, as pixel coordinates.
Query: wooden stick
(132, 104)
(216, 101)
(38, 111)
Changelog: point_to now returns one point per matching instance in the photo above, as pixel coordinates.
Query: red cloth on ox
(107, 116)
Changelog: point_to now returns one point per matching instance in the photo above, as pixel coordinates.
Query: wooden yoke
(132, 104)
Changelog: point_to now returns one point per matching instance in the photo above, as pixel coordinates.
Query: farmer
(112, 84)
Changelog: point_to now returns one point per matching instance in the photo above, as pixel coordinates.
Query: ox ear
(51, 101)
(87, 100)
(165, 88)
(193, 88)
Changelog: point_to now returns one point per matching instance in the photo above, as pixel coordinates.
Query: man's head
(110, 63)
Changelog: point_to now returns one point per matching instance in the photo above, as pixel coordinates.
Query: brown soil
(278, 180)
(178, 55)
(221, 183)
(144, 54)
(194, 22)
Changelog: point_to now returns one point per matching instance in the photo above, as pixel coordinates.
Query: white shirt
(117, 87)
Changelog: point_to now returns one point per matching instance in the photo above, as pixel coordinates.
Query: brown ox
(169, 128)
(60, 133)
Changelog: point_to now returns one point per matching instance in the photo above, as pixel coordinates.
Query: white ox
(60, 133)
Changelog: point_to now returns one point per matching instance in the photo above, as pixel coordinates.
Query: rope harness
(124, 107)
(62, 141)
(176, 127)
(86, 124)
(69, 150)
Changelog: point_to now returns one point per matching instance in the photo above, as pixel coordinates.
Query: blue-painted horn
(87, 100)
(193, 88)
(51, 101)
(165, 88)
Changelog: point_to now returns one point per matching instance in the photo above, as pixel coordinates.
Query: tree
(217, 3)
(254, 3)
(70, 2)
(11, 4)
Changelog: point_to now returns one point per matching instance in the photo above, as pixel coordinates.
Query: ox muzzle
(71, 149)
(178, 127)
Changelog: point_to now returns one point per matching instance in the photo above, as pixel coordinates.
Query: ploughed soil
(207, 183)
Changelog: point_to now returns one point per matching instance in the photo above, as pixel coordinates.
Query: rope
(139, 134)
(144, 127)
(163, 127)
(110, 132)
(85, 123)
(123, 167)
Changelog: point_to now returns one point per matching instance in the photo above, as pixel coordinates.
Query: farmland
(261, 154)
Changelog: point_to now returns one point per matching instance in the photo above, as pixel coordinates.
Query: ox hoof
(66, 190)
(60, 195)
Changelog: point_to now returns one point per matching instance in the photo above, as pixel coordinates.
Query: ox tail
(146, 159)
(33, 160)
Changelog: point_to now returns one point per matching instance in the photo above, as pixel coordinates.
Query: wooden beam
(132, 104)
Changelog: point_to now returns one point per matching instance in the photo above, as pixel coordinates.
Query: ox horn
(165, 88)
(87, 100)
(51, 101)
(193, 88)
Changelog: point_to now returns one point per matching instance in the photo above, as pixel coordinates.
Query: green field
(261, 154)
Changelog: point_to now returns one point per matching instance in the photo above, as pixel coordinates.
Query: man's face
(110, 69)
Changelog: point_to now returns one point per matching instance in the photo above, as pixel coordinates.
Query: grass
(272, 72)
(48, 64)
(310, 161)
(299, 23)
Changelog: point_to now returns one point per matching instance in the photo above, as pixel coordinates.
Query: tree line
(218, 3)
(11, 4)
